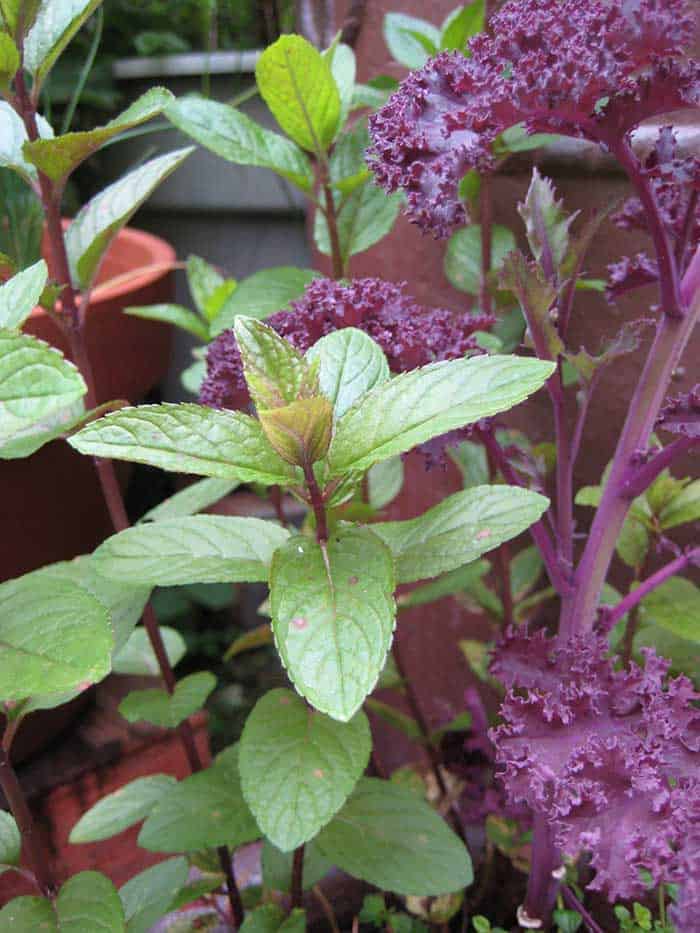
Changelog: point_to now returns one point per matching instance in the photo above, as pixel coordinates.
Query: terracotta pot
(50, 503)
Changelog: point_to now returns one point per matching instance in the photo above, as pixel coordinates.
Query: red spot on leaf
(299, 622)
(484, 533)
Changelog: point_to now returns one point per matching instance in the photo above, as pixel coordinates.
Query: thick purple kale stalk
(611, 759)
(592, 70)
(409, 334)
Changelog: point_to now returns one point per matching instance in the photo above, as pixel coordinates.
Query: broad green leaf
(454, 581)
(137, 656)
(634, 541)
(525, 570)
(299, 432)
(161, 709)
(270, 918)
(121, 809)
(201, 812)
(55, 25)
(463, 23)
(124, 601)
(385, 481)
(68, 643)
(546, 223)
(411, 41)
(343, 69)
(684, 507)
(277, 866)
(60, 156)
(36, 382)
(149, 895)
(193, 549)
(20, 294)
(29, 438)
(350, 364)
(235, 137)
(298, 766)
(276, 372)
(89, 895)
(333, 616)
(188, 438)
(10, 840)
(427, 402)
(463, 255)
(366, 216)
(296, 83)
(262, 294)
(675, 605)
(459, 529)
(99, 221)
(173, 314)
(9, 60)
(28, 915)
(13, 135)
(203, 281)
(388, 837)
(192, 499)
(348, 168)
(368, 96)
(472, 463)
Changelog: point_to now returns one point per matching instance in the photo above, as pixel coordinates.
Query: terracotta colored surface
(50, 503)
(99, 756)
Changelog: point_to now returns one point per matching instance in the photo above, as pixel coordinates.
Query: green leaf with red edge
(300, 432)
(546, 223)
(536, 295)
(275, 371)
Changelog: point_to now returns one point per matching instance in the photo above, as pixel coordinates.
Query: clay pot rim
(159, 260)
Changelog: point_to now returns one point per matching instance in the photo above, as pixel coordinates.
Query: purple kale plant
(605, 756)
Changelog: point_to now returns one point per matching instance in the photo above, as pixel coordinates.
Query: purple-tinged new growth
(681, 415)
(610, 758)
(630, 273)
(410, 335)
(591, 70)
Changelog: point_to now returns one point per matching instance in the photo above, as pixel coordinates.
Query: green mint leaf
(89, 894)
(462, 23)
(525, 570)
(463, 255)
(275, 371)
(350, 364)
(204, 282)
(300, 432)
(193, 549)
(546, 223)
(59, 156)
(367, 96)
(203, 811)
(675, 606)
(454, 581)
(68, 644)
(188, 438)
(55, 25)
(348, 169)
(10, 840)
(173, 314)
(99, 221)
(400, 721)
(29, 915)
(683, 507)
(333, 616)
(161, 709)
(20, 294)
(9, 61)
(36, 382)
(343, 69)
(27, 439)
(411, 41)
(270, 918)
(517, 139)
(13, 136)
(262, 294)
(137, 656)
(298, 767)
(121, 809)
(388, 837)
(192, 499)
(149, 895)
(277, 866)
(472, 463)
(385, 481)
(366, 216)
(296, 83)
(426, 402)
(235, 137)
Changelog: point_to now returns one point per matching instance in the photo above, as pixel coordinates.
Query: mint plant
(315, 388)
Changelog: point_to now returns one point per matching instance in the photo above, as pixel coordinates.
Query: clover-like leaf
(188, 438)
(298, 766)
(333, 616)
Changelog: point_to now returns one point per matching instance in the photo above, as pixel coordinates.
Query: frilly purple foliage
(681, 415)
(610, 758)
(409, 334)
(547, 63)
